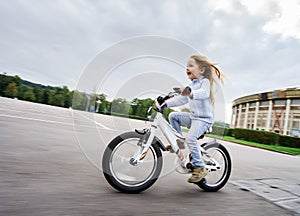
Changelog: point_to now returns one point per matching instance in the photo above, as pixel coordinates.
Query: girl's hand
(181, 90)
(186, 91)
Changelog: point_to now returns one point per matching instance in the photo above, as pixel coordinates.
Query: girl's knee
(172, 116)
(192, 140)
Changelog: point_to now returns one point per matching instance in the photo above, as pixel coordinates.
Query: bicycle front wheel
(123, 175)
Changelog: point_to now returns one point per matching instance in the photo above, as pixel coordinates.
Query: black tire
(111, 175)
(205, 184)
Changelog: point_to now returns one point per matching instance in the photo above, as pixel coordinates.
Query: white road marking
(48, 121)
(101, 125)
(34, 119)
(97, 123)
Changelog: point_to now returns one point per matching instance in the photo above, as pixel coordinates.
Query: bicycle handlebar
(160, 101)
(186, 91)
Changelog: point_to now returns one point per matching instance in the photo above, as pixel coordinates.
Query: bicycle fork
(144, 144)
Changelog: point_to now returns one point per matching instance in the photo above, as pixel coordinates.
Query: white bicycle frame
(172, 136)
(167, 130)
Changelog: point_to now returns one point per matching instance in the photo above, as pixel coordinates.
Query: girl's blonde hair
(209, 68)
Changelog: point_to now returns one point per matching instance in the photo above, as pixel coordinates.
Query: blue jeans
(197, 128)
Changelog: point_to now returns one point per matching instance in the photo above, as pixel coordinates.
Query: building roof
(271, 95)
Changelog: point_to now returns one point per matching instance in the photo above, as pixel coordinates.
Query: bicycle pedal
(170, 149)
(190, 166)
(180, 144)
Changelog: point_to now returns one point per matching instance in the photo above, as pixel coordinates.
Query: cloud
(256, 43)
(284, 17)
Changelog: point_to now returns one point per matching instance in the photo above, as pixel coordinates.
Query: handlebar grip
(187, 90)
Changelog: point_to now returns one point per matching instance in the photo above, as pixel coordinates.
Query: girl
(200, 71)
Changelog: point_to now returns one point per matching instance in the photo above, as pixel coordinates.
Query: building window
(294, 108)
(295, 102)
(280, 102)
(261, 120)
(264, 103)
(296, 124)
(263, 108)
(264, 96)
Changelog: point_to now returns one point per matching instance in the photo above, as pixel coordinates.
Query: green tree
(46, 96)
(56, 97)
(39, 95)
(5, 80)
(11, 90)
(68, 97)
(140, 107)
(17, 80)
(103, 105)
(29, 95)
(3, 83)
(60, 97)
(79, 100)
(22, 89)
(135, 103)
(120, 106)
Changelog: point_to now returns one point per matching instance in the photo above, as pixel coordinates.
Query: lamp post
(87, 103)
(98, 104)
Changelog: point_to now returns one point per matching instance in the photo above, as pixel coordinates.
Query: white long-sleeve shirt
(200, 105)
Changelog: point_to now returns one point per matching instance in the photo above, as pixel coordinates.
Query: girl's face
(192, 69)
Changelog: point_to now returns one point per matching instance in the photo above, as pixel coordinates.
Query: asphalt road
(50, 161)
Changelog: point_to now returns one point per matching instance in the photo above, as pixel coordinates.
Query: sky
(255, 43)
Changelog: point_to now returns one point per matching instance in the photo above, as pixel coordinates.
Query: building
(277, 111)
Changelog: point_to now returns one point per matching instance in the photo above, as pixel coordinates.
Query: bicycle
(132, 161)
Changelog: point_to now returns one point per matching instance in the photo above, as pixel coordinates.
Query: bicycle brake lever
(177, 90)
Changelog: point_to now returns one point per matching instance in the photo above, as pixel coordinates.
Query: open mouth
(188, 73)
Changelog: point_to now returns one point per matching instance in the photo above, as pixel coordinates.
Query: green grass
(282, 149)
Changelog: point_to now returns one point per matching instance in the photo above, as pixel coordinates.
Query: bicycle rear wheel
(219, 176)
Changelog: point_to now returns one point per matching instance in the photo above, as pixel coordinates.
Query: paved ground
(279, 191)
(50, 160)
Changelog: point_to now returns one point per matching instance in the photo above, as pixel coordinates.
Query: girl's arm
(176, 101)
